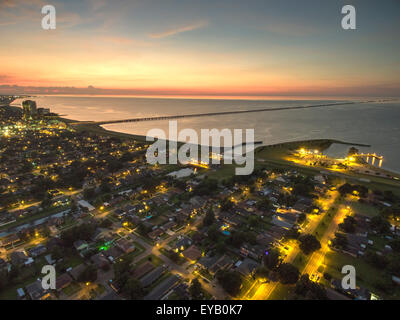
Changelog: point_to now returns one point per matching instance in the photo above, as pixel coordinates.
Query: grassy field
(364, 209)
(324, 223)
(71, 289)
(366, 275)
(281, 292)
(153, 259)
(300, 261)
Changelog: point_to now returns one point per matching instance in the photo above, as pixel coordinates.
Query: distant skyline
(254, 48)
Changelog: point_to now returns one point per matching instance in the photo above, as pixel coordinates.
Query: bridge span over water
(221, 113)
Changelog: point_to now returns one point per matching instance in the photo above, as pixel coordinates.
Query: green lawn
(324, 223)
(379, 242)
(300, 261)
(224, 172)
(364, 209)
(281, 292)
(25, 277)
(138, 250)
(154, 260)
(71, 289)
(366, 275)
(74, 260)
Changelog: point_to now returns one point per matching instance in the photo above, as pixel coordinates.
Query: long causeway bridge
(210, 114)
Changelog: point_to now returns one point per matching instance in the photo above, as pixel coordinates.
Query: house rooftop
(192, 253)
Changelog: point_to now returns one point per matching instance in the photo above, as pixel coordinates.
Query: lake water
(376, 124)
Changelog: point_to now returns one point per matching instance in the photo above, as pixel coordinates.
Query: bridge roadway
(220, 113)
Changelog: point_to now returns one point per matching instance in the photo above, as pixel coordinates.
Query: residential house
(113, 253)
(18, 258)
(9, 240)
(99, 260)
(192, 253)
(155, 234)
(36, 292)
(151, 277)
(163, 288)
(183, 243)
(142, 269)
(125, 245)
(215, 263)
(63, 281)
(37, 251)
(76, 271)
(169, 225)
(247, 267)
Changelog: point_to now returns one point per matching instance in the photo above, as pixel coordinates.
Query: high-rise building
(29, 108)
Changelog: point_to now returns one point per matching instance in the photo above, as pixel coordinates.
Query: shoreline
(98, 129)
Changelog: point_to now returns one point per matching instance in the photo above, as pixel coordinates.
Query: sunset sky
(202, 47)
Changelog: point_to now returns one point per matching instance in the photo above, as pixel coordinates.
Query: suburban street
(266, 289)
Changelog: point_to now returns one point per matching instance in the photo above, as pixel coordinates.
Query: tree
(57, 253)
(220, 247)
(352, 151)
(340, 241)
(143, 229)
(309, 244)
(226, 205)
(105, 186)
(345, 189)
(89, 193)
(231, 281)
(121, 272)
(392, 212)
(237, 238)
(206, 187)
(292, 234)
(174, 256)
(82, 232)
(380, 225)
(89, 274)
(348, 225)
(105, 223)
(309, 289)
(209, 218)
(301, 218)
(114, 164)
(264, 204)
(272, 259)
(195, 289)
(3, 279)
(45, 203)
(395, 245)
(213, 232)
(133, 289)
(288, 273)
(254, 221)
(388, 195)
(262, 272)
